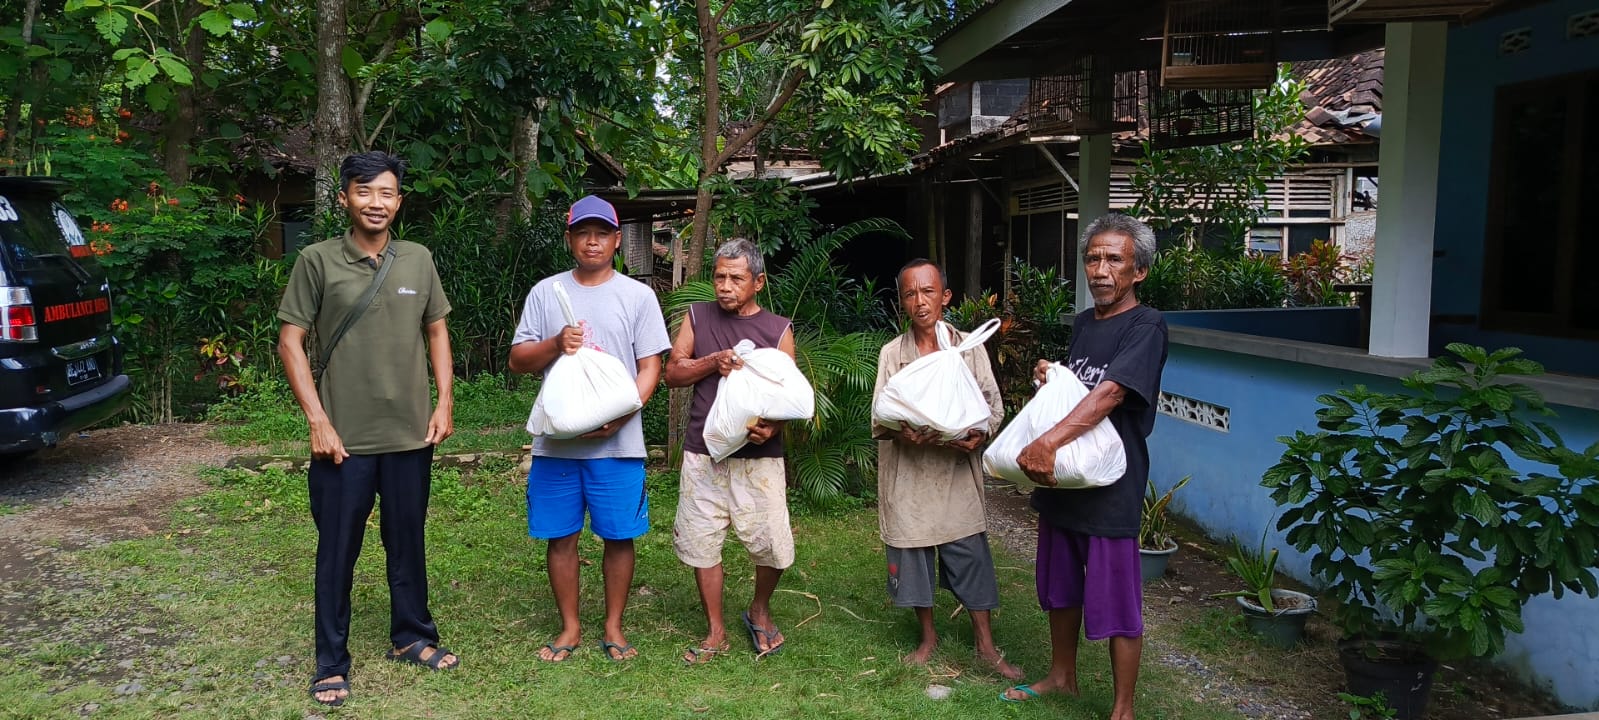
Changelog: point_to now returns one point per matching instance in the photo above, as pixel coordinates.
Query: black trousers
(341, 501)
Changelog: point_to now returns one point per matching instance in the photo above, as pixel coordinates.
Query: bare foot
(559, 649)
(331, 696)
(922, 653)
(1045, 686)
(995, 660)
(1121, 714)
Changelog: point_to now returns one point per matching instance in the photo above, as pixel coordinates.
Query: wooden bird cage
(1382, 11)
(1179, 118)
(1220, 44)
(1083, 101)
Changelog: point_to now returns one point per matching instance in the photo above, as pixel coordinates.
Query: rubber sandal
(319, 686)
(756, 632)
(702, 655)
(1026, 690)
(621, 651)
(555, 651)
(413, 656)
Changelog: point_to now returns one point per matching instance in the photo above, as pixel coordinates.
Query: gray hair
(1143, 237)
(742, 248)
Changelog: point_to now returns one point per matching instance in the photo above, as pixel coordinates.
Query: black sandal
(413, 655)
(321, 686)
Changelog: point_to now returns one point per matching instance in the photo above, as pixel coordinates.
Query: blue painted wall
(1269, 398)
(1329, 325)
(1474, 71)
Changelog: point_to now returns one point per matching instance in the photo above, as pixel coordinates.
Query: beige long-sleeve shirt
(930, 495)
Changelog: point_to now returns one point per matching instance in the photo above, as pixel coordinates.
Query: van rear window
(36, 231)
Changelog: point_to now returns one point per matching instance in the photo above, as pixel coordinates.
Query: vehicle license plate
(82, 371)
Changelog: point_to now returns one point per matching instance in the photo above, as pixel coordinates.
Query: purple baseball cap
(591, 207)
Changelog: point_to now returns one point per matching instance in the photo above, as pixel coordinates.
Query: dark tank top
(716, 330)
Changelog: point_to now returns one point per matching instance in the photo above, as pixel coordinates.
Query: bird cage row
(1083, 101)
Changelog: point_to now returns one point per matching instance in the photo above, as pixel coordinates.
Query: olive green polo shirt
(375, 387)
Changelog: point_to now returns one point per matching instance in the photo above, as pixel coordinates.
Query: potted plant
(1155, 543)
(1275, 615)
(1414, 518)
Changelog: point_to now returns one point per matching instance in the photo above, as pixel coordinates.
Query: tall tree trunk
(333, 106)
(184, 122)
(525, 157)
(14, 109)
(687, 266)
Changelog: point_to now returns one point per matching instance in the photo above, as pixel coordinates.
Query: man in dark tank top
(748, 490)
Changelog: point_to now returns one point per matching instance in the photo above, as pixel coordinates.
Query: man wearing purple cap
(600, 473)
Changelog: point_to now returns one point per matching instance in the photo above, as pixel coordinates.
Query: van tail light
(17, 321)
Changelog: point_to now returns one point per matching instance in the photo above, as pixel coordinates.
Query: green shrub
(1411, 513)
(1034, 327)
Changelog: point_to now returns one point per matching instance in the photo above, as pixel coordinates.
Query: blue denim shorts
(610, 490)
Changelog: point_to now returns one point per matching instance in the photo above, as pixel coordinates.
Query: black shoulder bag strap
(325, 352)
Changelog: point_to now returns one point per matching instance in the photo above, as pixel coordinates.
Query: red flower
(172, 202)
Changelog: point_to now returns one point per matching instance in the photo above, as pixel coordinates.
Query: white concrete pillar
(1093, 200)
(1407, 170)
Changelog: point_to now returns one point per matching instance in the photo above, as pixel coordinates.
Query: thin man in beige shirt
(930, 492)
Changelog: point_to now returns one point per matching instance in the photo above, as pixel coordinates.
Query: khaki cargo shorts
(748, 493)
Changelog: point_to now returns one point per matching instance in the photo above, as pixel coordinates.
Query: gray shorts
(965, 567)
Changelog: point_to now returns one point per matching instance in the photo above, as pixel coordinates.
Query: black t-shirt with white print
(1130, 349)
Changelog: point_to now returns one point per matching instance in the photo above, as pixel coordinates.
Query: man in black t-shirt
(1087, 567)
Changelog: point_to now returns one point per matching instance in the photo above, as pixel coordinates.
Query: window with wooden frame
(1538, 264)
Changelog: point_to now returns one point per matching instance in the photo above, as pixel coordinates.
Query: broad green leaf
(158, 95)
(111, 24)
(216, 22)
(438, 30)
(1485, 509)
(141, 71)
(175, 69)
(351, 61)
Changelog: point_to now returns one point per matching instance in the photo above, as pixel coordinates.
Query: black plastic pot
(1401, 671)
(1152, 563)
(1283, 628)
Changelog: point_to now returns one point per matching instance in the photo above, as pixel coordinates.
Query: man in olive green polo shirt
(371, 432)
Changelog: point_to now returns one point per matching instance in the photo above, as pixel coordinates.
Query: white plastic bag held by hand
(1094, 459)
(769, 386)
(937, 390)
(581, 391)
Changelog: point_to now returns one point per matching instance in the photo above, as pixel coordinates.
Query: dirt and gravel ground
(118, 483)
(95, 488)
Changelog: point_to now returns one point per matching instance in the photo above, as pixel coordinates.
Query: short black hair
(363, 167)
(943, 277)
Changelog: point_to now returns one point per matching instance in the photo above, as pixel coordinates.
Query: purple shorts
(1099, 575)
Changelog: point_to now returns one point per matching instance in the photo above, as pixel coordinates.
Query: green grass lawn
(487, 417)
(229, 585)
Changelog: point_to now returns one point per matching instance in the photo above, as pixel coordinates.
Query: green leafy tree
(850, 72)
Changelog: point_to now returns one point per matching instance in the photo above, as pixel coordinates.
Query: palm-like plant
(839, 326)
